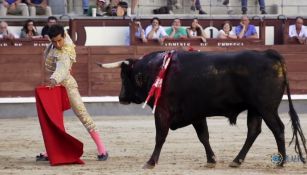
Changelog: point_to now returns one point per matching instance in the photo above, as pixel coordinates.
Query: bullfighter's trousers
(76, 103)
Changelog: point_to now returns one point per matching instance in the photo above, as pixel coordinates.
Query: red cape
(60, 146)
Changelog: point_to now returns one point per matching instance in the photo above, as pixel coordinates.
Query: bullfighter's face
(58, 41)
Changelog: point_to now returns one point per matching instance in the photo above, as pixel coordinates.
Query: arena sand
(130, 142)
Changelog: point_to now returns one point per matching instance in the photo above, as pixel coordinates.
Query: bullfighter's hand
(52, 83)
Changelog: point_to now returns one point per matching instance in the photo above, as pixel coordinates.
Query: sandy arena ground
(130, 142)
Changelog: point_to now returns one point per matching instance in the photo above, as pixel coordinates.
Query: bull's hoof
(210, 165)
(234, 165)
(148, 166)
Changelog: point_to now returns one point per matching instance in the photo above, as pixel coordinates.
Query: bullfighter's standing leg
(275, 124)
(162, 128)
(201, 128)
(254, 129)
(81, 112)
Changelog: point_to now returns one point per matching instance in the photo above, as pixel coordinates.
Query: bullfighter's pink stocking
(100, 146)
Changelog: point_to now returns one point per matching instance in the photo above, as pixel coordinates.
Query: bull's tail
(296, 126)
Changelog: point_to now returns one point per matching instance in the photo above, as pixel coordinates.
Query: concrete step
(295, 7)
(145, 7)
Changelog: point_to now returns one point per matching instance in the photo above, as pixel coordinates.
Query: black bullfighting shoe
(41, 157)
(102, 157)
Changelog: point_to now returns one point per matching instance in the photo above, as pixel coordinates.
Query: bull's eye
(139, 79)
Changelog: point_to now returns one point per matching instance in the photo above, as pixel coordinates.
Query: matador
(59, 58)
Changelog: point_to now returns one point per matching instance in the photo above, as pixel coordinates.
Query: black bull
(200, 85)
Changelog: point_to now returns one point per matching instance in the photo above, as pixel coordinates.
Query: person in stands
(176, 31)
(155, 31)
(297, 31)
(50, 21)
(196, 31)
(246, 30)
(39, 7)
(29, 30)
(226, 31)
(4, 32)
(13, 7)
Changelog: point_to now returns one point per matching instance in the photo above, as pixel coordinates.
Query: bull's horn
(112, 65)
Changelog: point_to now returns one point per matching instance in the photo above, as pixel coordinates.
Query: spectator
(121, 9)
(155, 31)
(29, 30)
(246, 30)
(100, 6)
(85, 5)
(298, 31)
(51, 21)
(117, 8)
(226, 31)
(196, 31)
(139, 31)
(176, 31)
(196, 6)
(261, 4)
(112, 7)
(13, 7)
(4, 32)
(39, 7)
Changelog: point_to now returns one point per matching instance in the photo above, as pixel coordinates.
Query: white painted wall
(107, 36)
